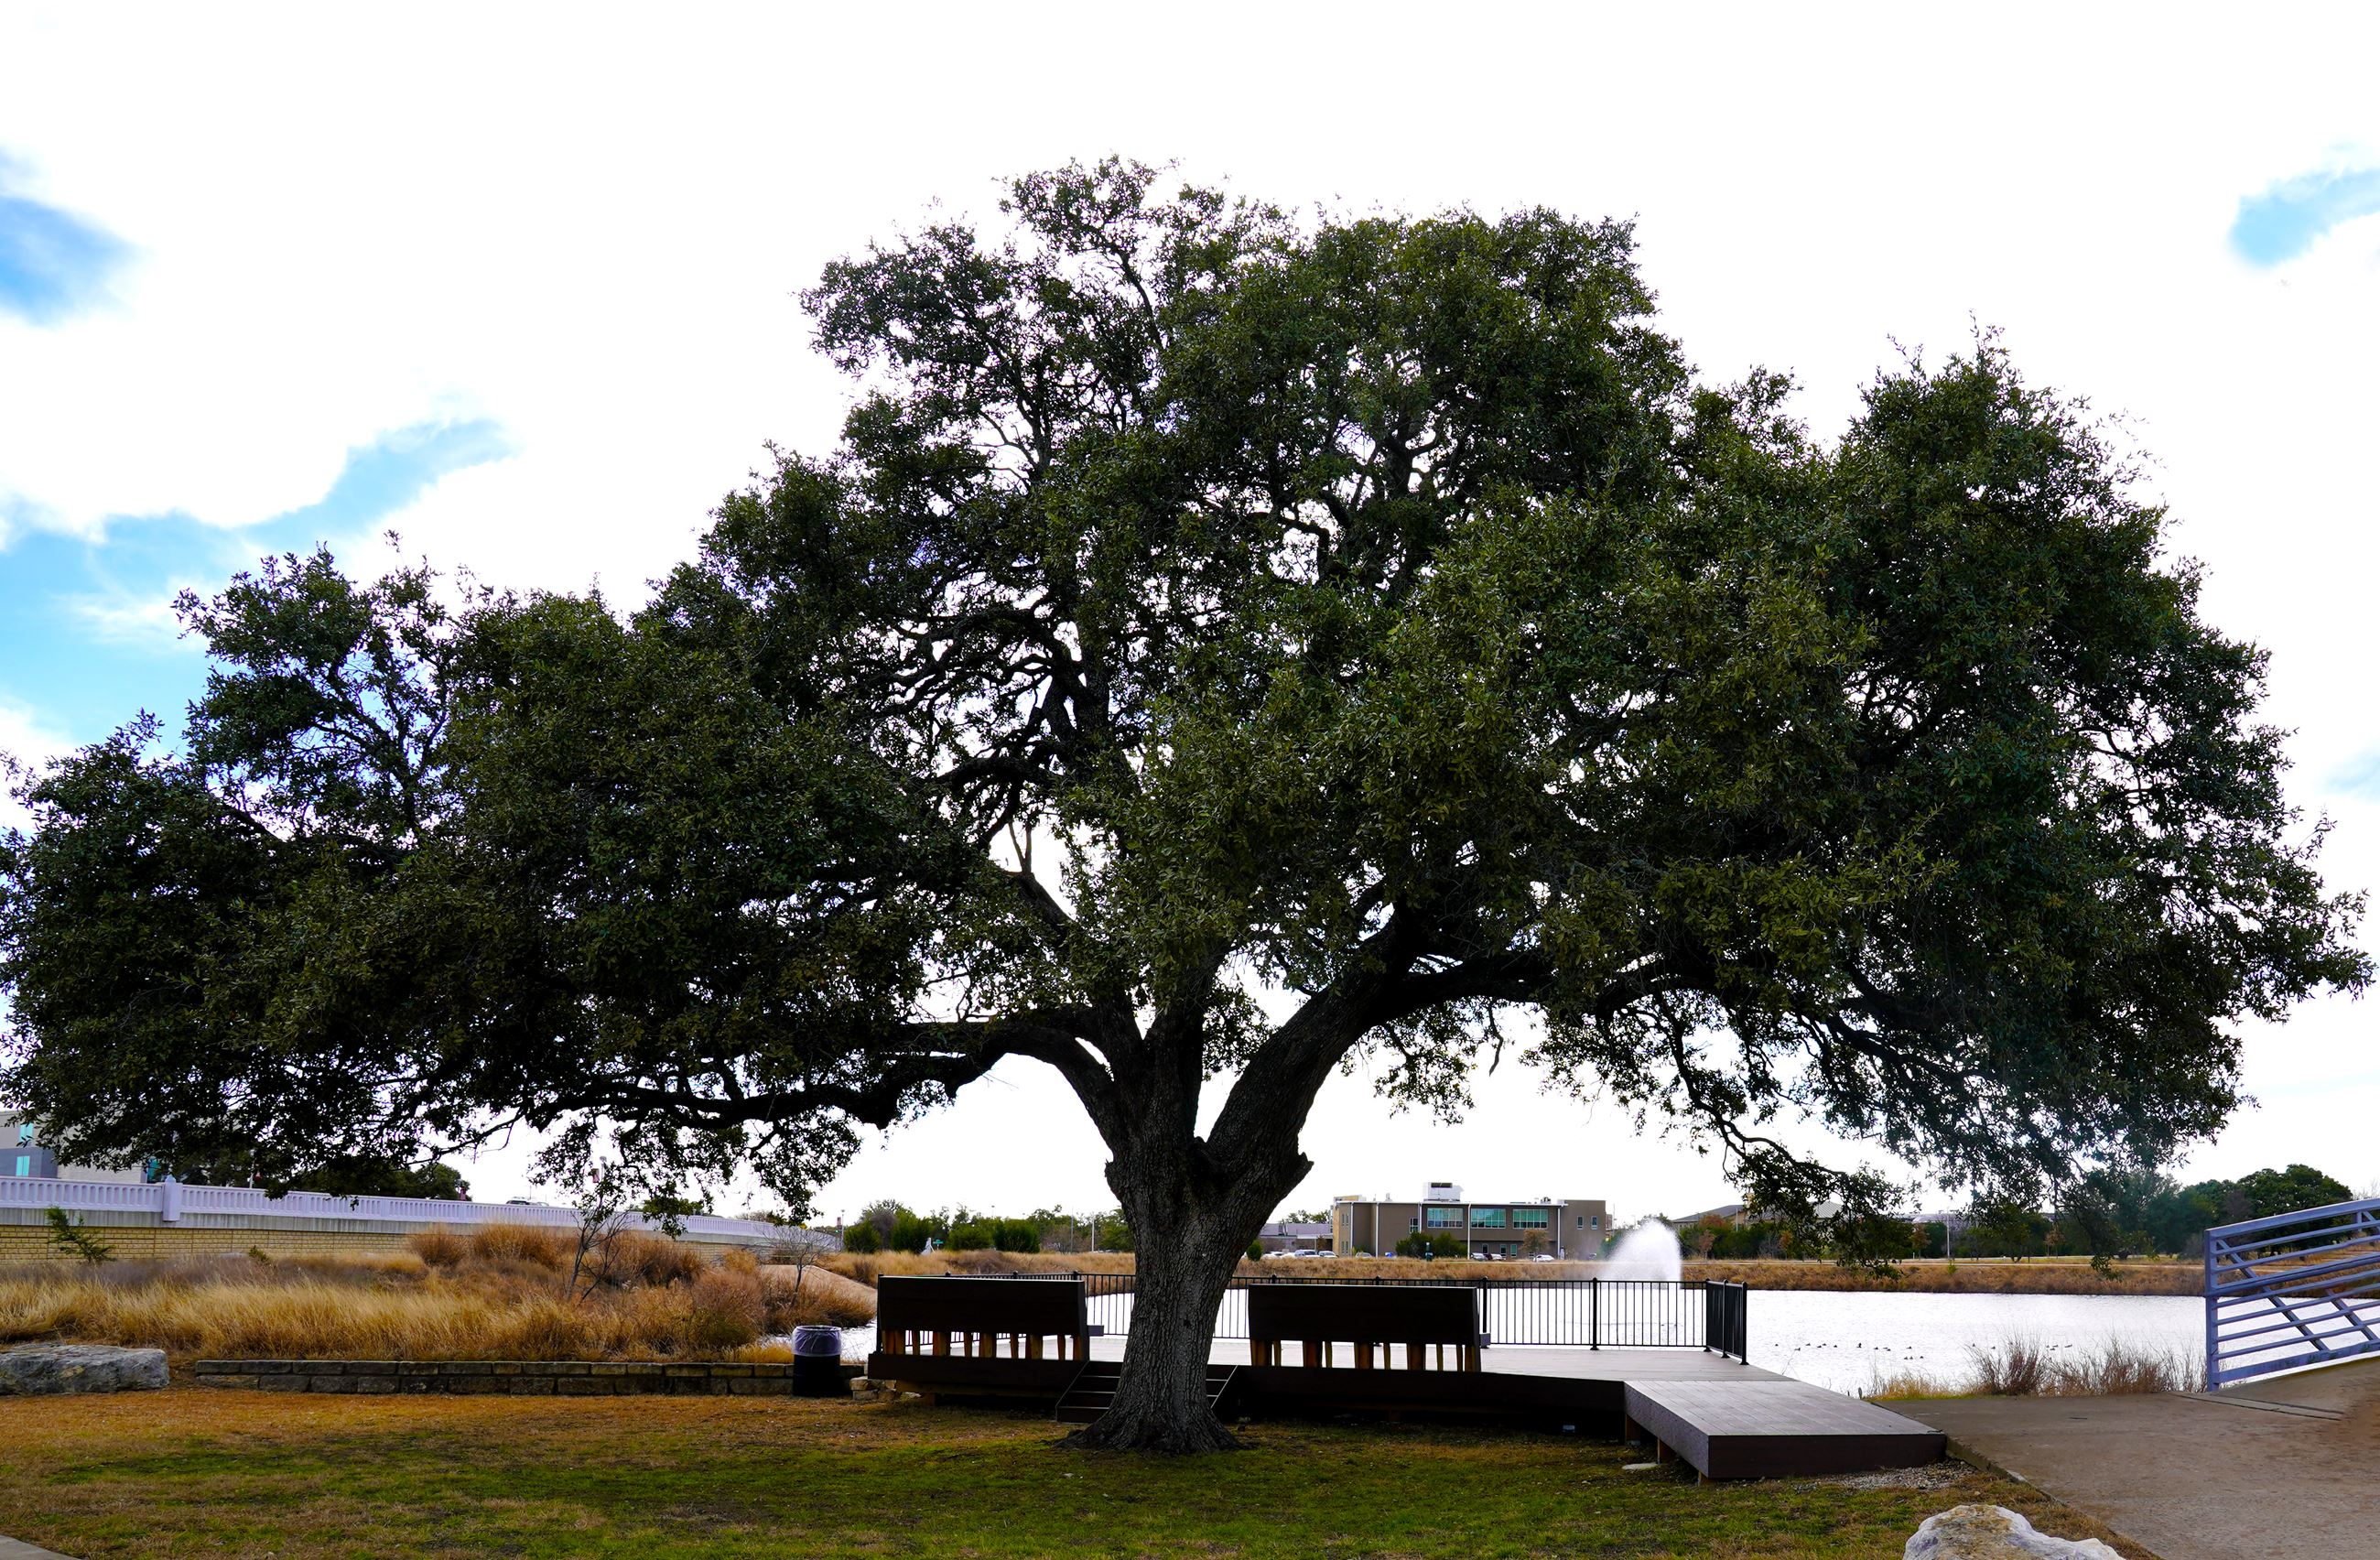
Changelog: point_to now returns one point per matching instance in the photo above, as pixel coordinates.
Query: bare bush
(2022, 1367)
(2118, 1367)
(813, 1296)
(439, 1248)
(2018, 1367)
(725, 1309)
(633, 1256)
(526, 1244)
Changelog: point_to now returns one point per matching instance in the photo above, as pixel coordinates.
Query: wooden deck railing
(1565, 1313)
(982, 1317)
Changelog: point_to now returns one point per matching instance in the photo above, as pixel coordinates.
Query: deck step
(1094, 1391)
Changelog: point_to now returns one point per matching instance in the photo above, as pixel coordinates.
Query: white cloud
(147, 621)
(25, 737)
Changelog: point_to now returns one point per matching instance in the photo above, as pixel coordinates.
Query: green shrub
(970, 1237)
(911, 1232)
(1421, 1243)
(73, 1241)
(862, 1238)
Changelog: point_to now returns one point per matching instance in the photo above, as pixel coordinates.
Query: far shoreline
(1964, 1276)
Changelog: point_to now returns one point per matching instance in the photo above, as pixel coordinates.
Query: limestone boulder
(1993, 1532)
(37, 1370)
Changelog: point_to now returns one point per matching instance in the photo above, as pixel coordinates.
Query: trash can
(817, 1363)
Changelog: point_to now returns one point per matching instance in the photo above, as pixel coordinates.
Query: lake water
(1847, 1342)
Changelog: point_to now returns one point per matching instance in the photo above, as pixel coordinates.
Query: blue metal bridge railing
(2293, 1290)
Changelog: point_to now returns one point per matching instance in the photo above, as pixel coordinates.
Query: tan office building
(1569, 1227)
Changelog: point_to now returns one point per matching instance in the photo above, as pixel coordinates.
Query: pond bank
(2036, 1276)
(1991, 1275)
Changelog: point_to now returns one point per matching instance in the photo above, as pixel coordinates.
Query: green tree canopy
(1221, 651)
(2274, 1192)
(351, 1177)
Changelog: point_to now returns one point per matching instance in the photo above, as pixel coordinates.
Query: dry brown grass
(440, 1248)
(1968, 1276)
(821, 1297)
(499, 1295)
(2021, 1367)
(866, 1268)
(526, 1245)
(1989, 1278)
(653, 1261)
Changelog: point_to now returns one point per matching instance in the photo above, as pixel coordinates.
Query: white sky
(587, 225)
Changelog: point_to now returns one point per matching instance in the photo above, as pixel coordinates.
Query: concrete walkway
(2282, 1469)
(11, 1549)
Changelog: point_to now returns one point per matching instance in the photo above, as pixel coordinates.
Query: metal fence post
(2214, 1309)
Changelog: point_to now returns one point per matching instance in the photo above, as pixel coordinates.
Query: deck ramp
(1775, 1428)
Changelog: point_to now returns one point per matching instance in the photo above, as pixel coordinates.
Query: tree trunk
(1186, 1249)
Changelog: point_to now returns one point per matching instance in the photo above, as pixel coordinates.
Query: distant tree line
(2127, 1211)
(2110, 1213)
(888, 1225)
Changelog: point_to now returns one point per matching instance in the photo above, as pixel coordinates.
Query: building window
(1443, 1216)
(1487, 1218)
(1596, 1219)
(1582, 1221)
(1533, 1218)
(24, 1165)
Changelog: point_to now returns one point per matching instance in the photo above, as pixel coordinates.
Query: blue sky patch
(86, 637)
(2359, 777)
(52, 263)
(2285, 220)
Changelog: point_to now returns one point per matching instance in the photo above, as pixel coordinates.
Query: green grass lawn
(201, 1472)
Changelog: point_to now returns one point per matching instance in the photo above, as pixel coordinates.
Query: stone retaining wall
(30, 1243)
(519, 1378)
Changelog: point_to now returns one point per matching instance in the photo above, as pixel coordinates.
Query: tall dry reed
(2024, 1366)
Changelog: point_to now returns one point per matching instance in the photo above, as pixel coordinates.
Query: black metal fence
(1517, 1312)
(1726, 1317)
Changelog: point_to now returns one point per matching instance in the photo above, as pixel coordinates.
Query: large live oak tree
(1223, 648)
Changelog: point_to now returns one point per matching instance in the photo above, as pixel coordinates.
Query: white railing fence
(175, 1203)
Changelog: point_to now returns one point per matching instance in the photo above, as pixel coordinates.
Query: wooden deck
(1775, 1428)
(1725, 1419)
